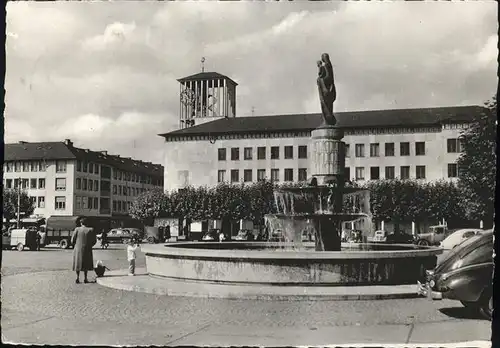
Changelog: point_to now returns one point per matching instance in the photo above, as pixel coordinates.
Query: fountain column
(328, 162)
(328, 167)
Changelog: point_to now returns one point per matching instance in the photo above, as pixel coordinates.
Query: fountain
(323, 205)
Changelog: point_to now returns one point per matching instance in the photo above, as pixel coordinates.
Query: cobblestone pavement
(42, 304)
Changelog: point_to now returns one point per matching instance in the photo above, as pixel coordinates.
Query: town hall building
(213, 145)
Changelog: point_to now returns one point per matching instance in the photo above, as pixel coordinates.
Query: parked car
(465, 275)
(211, 236)
(400, 238)
(458, 237)
(356, 236)
(135, 232)
(433, 236)
(378, 236)
(120, 235)
(245, 235)
(277, 235)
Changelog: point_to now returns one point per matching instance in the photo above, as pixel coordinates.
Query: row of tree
(390, 200)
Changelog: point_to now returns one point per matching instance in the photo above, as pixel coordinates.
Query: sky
(104, 74)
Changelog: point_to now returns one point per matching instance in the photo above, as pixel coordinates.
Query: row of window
(91, 203)
(453, 146)
(87, 184)
(122, 206)
(32, 166)
(93, 168)
(390, 173)
(261, 175)
(404, 172)
(25, 183)
(404, 149)
(87, 167)
(122, 190)
(34, 183)
(248, 153)
(38, 202)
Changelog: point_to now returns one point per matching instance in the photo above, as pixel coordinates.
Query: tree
(477, 164)
(10, 197)
(149, 205)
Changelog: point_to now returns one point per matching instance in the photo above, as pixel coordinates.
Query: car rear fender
(468, 283)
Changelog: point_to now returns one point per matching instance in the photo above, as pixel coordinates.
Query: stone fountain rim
(177, 250)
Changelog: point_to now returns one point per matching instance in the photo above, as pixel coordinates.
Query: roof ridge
(358, 111)
(347, 119)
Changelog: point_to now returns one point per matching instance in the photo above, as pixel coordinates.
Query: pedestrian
(104, 238)
(222, 237)
(83, 239)
(38, 240)
(167, 233)
(132, 247)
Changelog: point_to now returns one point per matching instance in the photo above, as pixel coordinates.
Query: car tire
(63, 244)
(486, 304)
(423, 242)
(20, 247)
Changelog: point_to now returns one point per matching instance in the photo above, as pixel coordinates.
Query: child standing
(133, 245)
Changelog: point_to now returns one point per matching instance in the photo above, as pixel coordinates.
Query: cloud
(115, 33)
(104, 74)
(489, 53)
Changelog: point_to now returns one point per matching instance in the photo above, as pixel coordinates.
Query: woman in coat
(83, 240)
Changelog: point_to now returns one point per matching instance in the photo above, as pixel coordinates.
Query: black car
(245, 235)
(465, 275)
(400, 238)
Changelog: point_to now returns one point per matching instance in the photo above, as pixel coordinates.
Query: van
(21, 238)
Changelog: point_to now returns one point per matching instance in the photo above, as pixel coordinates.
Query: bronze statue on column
(326, 88)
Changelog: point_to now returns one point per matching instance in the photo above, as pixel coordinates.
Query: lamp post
(19, 203)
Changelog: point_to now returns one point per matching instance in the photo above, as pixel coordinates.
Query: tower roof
(206, 76)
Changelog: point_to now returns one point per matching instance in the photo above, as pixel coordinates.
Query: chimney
(68, 142)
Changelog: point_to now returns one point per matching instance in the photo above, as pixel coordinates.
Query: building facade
(420, 144)
(235, 152)
(64, 180)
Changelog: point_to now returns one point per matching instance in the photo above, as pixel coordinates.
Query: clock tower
(204, 97)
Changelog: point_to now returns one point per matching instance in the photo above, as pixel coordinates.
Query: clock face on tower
(188, 97)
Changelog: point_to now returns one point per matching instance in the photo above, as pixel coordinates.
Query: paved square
(42, 304)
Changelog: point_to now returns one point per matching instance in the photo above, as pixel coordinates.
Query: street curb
(144, 283)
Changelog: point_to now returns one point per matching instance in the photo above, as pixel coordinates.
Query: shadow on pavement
(461, 313)
(113, 275)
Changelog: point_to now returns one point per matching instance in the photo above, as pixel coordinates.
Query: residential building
(65, 180)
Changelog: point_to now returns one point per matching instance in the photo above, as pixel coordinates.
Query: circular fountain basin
(281, 264)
